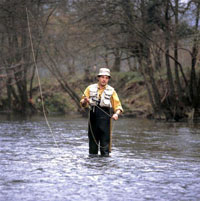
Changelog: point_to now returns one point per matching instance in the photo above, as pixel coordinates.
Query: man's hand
(115, 116)
(85, 101)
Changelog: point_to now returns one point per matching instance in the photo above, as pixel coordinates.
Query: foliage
(154, 43)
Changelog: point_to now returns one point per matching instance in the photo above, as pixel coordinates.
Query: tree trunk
(9, 92)
(178, 83)
(167, 45)
(194, 84)
(117, 62)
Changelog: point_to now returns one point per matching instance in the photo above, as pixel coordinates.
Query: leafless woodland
(157, 38)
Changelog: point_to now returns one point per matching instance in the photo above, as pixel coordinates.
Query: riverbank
(129, 86)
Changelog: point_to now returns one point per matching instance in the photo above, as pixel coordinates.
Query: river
(150, 160)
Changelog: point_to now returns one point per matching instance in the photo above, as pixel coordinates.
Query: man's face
(103, 80)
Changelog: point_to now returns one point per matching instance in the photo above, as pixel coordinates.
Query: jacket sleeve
(116, 104)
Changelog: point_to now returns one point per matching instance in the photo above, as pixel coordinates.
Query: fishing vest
(105, 96)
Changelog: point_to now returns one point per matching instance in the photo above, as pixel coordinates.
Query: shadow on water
(149, 161)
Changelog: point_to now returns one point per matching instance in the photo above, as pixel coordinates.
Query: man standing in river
(101, 97)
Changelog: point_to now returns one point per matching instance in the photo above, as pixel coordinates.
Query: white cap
(104, 71)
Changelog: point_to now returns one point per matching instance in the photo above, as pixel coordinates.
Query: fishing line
(38, 77)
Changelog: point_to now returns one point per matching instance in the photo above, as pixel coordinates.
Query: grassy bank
(129, 86)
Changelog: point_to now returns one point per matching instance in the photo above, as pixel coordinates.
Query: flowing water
(149, 161)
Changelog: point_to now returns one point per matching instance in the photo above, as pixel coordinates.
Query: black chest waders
(99, 130)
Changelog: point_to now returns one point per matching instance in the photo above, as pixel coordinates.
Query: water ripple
(150, 161)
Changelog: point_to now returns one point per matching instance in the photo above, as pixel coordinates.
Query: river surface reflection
(149, 161)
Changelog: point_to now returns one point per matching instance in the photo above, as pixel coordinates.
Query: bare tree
(15, 54)
(143, 28)
(70, 34)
